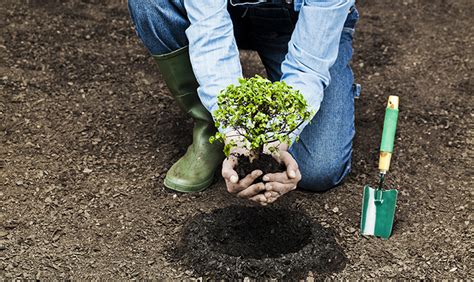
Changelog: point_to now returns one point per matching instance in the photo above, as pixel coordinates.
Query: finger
(228, 171)
(244, 183)
(233, 188)
(280, 188)
(275, 194)
(251, 191)
(249, 179)
(281, 177)
(260, 198)
(272, 200)
(271, 194)
(290, 163)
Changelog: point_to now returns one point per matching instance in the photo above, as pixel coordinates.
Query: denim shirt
(312, 49)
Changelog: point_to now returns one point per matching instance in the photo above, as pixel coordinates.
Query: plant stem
(255, 154)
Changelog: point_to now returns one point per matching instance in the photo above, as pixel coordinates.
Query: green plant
(260, 112)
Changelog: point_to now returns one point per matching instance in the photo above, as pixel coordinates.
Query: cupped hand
(278, 184)
(243, 188)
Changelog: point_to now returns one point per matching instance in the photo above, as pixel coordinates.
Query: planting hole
(260, 233)
(237, 241)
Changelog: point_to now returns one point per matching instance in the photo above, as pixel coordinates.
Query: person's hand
(242, 188)
(278, 184)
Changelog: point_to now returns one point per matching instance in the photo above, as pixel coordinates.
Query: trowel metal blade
(378, 212)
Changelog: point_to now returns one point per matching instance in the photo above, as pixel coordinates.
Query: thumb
(228, 172)
(234, 178)
(291, 172)
(291, 165)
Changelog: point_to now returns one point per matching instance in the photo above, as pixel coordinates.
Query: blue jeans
(324, 150)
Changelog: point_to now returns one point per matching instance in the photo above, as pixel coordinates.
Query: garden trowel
(378, 204)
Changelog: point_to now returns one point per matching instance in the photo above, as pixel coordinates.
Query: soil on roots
(237, 242)
(265, 163)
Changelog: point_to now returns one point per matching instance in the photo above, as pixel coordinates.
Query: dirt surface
(88, 131)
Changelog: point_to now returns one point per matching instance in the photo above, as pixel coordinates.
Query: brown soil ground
(88, 131)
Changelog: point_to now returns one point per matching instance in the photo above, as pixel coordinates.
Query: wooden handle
(393, 102)
(384, 161)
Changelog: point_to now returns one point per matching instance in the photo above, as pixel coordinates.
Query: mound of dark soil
(237, 242)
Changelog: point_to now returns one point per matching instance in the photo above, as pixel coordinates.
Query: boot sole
(187, 188)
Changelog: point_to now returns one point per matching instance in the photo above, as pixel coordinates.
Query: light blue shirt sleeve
(212, 49)
(313, 48)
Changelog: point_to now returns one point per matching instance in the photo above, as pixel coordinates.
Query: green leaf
(227, 149)
(261, 110)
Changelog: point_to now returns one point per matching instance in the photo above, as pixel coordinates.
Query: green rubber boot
(194, 171)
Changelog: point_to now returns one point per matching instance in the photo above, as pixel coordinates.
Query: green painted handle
(388, 134)
(389, 129)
